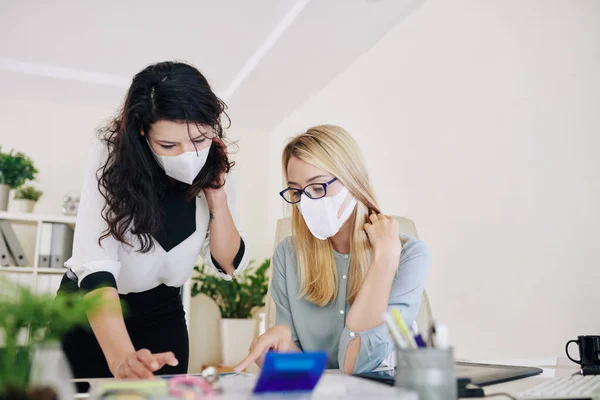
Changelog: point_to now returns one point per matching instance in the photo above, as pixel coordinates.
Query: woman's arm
(363, 351)
(224, 247)
(372, 299)
(224, 236)
(110, 331)
(373, 296)
(281, 337)
(109, 328)
(370, 304)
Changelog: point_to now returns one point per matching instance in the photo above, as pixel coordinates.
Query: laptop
(478, 374)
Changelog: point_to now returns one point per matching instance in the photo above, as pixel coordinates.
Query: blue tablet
(291, 372)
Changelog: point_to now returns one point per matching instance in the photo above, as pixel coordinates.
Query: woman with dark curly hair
(157, 193)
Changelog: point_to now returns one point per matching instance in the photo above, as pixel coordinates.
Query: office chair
(407, 226)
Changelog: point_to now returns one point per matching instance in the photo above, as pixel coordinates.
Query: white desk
(552, 367)
(334, 385)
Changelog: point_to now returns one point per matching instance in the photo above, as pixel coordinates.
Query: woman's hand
(278, 338)
(141, 364)
(216, 198)
(384, 235)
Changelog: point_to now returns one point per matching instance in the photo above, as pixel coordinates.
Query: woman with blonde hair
(345, 264)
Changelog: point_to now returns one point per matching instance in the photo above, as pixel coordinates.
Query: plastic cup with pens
(425, 369)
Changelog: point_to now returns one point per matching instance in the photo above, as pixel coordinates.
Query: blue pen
(418, 337)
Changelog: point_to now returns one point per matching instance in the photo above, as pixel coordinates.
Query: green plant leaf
(16, 169)
(28, 193)
(43, 318)
(236, 298)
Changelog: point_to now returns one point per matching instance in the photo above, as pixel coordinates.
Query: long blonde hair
(332, 149)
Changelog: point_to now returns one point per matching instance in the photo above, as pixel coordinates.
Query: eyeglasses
(312, 191)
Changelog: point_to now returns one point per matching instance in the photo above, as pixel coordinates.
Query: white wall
(479, 120)
(57, 137)
(250, 154)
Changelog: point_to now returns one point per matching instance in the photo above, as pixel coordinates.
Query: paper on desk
(331, 386)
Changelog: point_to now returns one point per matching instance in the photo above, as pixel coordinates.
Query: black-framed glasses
(312, 191)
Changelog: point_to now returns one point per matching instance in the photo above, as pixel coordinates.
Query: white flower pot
(25, 206)
(236, 337)
(49, 367)
(4, 191)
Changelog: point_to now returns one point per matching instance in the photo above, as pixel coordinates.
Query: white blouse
(135, 271)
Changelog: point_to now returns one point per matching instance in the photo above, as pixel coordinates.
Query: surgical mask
(184, 167)
(321, 215)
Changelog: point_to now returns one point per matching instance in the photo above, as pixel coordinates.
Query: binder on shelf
(5, 258)
(62, 245)
(45, 245)
(13, 244)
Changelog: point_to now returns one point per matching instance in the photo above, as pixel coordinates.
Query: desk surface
(552, 367)
(334, 385)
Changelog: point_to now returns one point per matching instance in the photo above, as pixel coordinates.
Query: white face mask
(321, 215)
(184, 167)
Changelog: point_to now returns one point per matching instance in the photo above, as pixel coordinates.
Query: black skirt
(155, 320)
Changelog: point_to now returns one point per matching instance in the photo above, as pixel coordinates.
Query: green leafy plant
(16, 169)
(40, 318)
(28, 193)
(238, 297)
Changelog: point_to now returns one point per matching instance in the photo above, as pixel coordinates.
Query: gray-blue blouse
(324, 328)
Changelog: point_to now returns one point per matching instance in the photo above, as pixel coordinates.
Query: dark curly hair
(131, 181)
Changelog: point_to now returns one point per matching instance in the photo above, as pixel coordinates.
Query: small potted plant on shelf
(26, 197)
(15, 170)
(32, 364)
(236, 299)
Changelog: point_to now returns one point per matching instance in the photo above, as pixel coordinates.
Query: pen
(418, 337)
(404, 328)
(396, 335)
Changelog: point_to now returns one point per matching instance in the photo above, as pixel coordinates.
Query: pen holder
(427, 371)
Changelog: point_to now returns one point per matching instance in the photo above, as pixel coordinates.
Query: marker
(418, 337)
(404, 328)
(396, 335)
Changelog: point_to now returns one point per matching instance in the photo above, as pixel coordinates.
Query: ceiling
(264, 57)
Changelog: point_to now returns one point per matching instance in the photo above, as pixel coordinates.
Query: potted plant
(26, 197)
(236, 299)
(15, 170)
(32, 365)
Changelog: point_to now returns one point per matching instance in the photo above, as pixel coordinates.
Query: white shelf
(11, 216)
(57, 271)
(64, 219)
(17, 269)
(41, 280)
